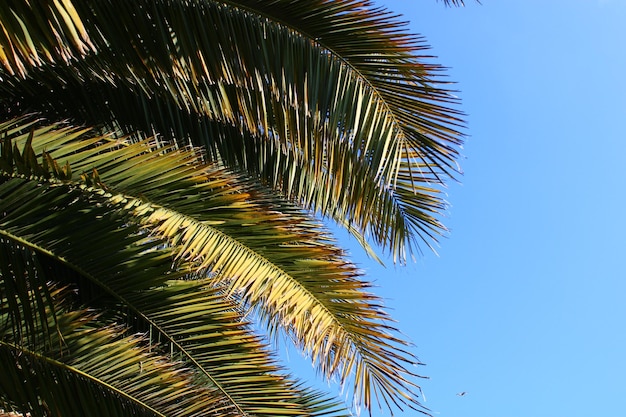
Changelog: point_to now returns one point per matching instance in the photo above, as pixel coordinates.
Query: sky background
(524, 306)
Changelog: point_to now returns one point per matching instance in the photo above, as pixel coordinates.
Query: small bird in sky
(462, 394)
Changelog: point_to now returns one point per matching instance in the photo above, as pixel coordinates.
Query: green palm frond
(329, 102)
(221, 127)
(278, 264)
(98, 236)
(233, 366)
(82, 366)
(269, 254)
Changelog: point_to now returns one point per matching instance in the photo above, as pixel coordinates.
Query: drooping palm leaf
(327, 100)
(100, 237)
(216, 355)
(270, 254)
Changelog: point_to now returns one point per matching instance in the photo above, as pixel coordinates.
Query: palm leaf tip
(456, 2)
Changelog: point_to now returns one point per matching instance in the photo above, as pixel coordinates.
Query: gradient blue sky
(524, 307)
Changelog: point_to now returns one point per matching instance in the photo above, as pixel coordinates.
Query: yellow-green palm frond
(204, 333)
(105, 243)
(254, 245)
(331, 102)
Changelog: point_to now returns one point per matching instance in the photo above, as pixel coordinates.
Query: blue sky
(524, 307)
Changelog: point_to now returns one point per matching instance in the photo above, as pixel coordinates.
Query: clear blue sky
(524, 308)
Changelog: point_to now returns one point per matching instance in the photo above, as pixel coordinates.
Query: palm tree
(163, 166)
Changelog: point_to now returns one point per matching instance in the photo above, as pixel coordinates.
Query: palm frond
(331, 103)
(219, 359)
(270, 255)
(87, 367)
(361, 111)
(120, 267)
